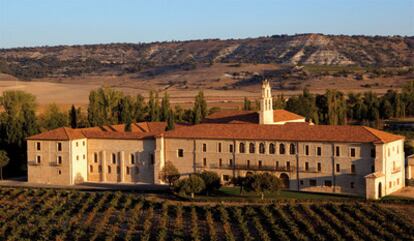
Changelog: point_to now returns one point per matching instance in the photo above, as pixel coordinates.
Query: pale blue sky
(55, 22)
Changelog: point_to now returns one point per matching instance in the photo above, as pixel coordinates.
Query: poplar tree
(165, 107)
(170, 121)
(139, 108)
(153, 107)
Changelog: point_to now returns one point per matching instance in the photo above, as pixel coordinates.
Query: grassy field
(47, 214)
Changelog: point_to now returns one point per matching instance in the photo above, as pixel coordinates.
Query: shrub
(211, 181)
(262, 183)
(169, 173)
(190, 185)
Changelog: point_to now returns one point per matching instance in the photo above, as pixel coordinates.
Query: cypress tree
(170, 121)
(73, 116)
(165, 107)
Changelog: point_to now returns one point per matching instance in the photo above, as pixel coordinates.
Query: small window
(231, 148)
(118, 170)
(219, 147)
(100, 168)
(59, 172)
(180, 153)
(220, 162)
(353, 168)
(319, 166)
(83, 143)
(230, 162)
(127, 170)
(38, 159)
(251, 148)
(77, 158)
(242, 148)
(262, 148)
(59, 160)
(38, 146)
(113, 158)
(328, 183)
(337, 151)
(204, 147)
(260, 164)
(152, 159)
(319, 151)
(352, 152)
(277, 164)
(90, 168)
(307, 150)
(282, 149)
(306, 166)
(301, 182)
(272, 148)
(292, 149)
(312, 182)
(132, 158)
(59, 146)
(288, 166)
(77, 144)
(248, 163)
(352, 185)
(109, 169)
(338, 168)
(84, 156)
(204, 162)
(95, 157)
(373, 153)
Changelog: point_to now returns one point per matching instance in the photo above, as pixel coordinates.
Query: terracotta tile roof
(375, 175)
(61, 134)
(245, 117)
(287, 132)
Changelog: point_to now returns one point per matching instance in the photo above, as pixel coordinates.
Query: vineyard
(45, 214)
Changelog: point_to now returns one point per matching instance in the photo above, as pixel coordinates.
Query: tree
(53, 118)
(165, 107)
(240, 182)
(153, 107)
(139, 108)
(4, 160)
(169, 173)
(247, 104)
(200, 105)
(211, 180)
(170, 121)
(263, 183)
(191, 185)
(197, 116)
(73, 116)
(279, 102)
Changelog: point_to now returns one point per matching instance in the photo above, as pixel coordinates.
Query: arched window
(292, 149)
(242, 148)
(262, 148)
(251, 148)
(272, 148)
(282, 148)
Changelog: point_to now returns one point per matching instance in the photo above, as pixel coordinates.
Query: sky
(56, 22)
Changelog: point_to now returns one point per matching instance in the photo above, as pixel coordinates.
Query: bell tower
(266, 104)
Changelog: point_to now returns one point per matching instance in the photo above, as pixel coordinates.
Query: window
(231, 162)
(77, 144)
(38, 159)
(83, 143)
(352, 152)
(261, 148)
(338, 168)
(90, 168)
(307, 150)
(337, 151)
(109, 169)
(136, 170)
(118, 170)
(127, 170)
(132, 158)
(328, 183)
(251, 148)
(353, 168)
(231, 148)
(312, 182)
(204, 162)
(292, 149)
(272, 149)
(100, 168)
(248, 163)
(319, 151)
(306, 166)
(373, 153)
(301, 182)
(282, 149)
(319, 166)
(219, 147)
(38, 146)
(180, 152)
(260, 164)
(204, 147)
(84, 156)
(242, 148)
(59, 146)
(113, 158)
(152, 159)
(220, 162)
(59, 172)
(95, 157)
(288, 166)
(277, 165)
(77, 158)
(352, 185)
(59, 160)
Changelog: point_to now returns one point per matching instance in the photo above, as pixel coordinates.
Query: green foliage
(4, 160)
(200, 108)
(170, 121)
(165, 107)
(263, 183)
(190, 185)
(153, 107)
(169, 173)
(247, 104)
(53, 118)
(139, 109)
(73, 117)
(211, 180)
